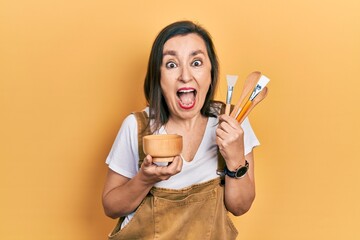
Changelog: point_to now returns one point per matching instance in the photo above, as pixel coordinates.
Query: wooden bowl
(163, 147)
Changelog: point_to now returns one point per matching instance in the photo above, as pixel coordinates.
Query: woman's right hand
(153, 173)
(123, 195)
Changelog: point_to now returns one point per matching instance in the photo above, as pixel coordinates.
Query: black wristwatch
(238, 173)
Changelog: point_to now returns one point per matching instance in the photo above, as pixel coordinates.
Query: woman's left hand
(230, 139)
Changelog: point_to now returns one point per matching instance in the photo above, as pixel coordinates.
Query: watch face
(241, 171)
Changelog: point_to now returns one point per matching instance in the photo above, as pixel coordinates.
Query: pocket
(135, 228)
(231, 230)
(189, 218)
(224, 227)
(116, 229)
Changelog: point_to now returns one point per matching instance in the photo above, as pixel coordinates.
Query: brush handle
(248, 88)
(244, 110)
(227, 109)
(256, 100)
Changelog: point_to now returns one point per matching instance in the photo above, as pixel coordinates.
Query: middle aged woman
(182, 200)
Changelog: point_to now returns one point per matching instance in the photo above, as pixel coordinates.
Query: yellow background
(70, 71)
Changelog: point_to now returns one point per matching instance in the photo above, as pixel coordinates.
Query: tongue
(187, 98)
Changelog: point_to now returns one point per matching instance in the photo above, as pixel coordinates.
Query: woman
(183, 200)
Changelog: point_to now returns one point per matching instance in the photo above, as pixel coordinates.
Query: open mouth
(186, 97)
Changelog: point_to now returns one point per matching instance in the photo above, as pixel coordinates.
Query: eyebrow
(173, 53)
(197, 52)
(169, 52)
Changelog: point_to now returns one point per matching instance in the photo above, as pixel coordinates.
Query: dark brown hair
(158, 109)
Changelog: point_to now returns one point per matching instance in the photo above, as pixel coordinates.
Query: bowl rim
(162, 136)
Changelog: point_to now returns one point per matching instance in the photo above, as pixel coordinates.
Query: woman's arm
(239, 193)
(122, 195)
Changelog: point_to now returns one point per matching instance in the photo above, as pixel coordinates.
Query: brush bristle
(263, 81)
(259, 86)
(231, 80)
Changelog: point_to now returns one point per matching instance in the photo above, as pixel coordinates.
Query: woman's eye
(197, 63)
(171, 65)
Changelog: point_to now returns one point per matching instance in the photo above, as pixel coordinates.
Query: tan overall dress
(197, 212)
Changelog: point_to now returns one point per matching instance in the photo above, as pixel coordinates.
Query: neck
(183, 126)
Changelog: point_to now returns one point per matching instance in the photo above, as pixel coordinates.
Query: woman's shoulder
(130, 119)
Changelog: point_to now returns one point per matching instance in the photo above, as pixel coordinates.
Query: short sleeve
(124, 157)
(250, 139)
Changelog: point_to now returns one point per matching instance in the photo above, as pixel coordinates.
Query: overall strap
(221, 160)
(142, 120)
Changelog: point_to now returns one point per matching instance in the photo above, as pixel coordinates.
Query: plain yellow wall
(70, 71)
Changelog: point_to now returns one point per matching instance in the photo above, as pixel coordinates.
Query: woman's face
(185, 75)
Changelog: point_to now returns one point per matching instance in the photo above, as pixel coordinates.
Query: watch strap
(239, 172)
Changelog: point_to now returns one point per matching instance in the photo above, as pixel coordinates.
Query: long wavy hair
(159, 110)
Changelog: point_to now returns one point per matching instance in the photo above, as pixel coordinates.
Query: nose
(185, 74)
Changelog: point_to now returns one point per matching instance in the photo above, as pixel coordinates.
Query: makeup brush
(254, 102)
(263, 81)
(249, 84)
(231, 81)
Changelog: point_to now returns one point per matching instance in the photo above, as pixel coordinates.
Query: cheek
(203, 72)
(166, 77)
(163, 80)
(205, 79)
(167, 87)
(205, 85)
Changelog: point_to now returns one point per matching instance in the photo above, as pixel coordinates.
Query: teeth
(186, 91)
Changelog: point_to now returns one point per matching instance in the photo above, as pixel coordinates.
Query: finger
(228, 124)
(230, 120)
(179, 161)
(229, 131)
(226, 118)
(175, 166)
(225, 126)
(222, 144)
(147, 161)
(221, 134)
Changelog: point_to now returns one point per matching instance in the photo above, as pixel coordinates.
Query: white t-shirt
(123, 157)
